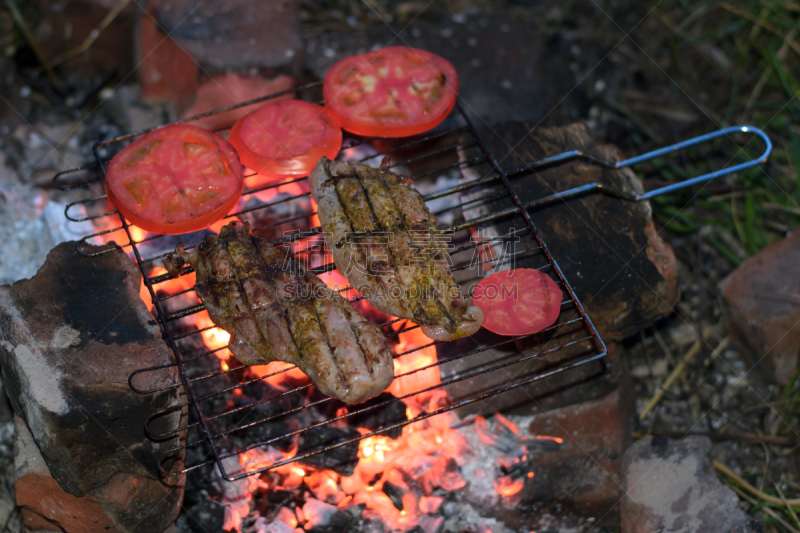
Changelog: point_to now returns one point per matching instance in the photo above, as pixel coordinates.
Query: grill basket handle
(577, 154)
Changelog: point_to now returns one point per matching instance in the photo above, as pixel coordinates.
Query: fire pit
(266, 429)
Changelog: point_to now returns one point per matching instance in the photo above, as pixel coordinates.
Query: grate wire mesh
(212, 418)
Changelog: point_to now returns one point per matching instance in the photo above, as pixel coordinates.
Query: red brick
(72, 336)
(65, 25)
(235, 35)
(167, 73)
(586, 470)
(46, 506)
(227, 89)
(761, 309)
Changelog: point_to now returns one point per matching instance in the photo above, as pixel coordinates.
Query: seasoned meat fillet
(276, 311)
(383, 239)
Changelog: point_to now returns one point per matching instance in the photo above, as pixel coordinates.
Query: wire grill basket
(209, 393)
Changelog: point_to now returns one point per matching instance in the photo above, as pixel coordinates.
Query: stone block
(570, 475)
(234, 35)
(167, 73)
(625, 275)
(761, 304)
(45, 506)
(71, 336)
(585, 471)
(228, 89)
(607, 248)
(670, 486)
(65, 26)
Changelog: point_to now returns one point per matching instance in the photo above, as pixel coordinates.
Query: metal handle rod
(577, 154)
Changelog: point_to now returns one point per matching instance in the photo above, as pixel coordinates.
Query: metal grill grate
(214, 417)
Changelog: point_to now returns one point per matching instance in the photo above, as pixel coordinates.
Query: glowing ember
(486, 436)
(508, 487)
(430, 504)
(394, 479)
(557, 440)
(214, 338)
(511, 426)
(271, 194)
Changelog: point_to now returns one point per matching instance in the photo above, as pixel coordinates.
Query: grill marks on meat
(383, 239)
(276, 311)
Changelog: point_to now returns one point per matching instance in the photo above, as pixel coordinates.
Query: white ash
(461, 510)
(30, 226)
(321, 513)
(482, 468)
(467, 518)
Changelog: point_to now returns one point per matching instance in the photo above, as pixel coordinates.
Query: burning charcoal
(372, 526)
(262, 526)
(356, 511)
(279, 497)
(342, 460)
(537, 443)
(267, 430)
(431, 524)
(325, 518)
(380, 417)
(394, 493)
(281, 520)
(445, 473)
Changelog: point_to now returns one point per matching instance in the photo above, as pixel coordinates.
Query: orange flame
(407, 341)
(425, 451)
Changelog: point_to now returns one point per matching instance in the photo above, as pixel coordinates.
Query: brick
(71, 336)
(66, 25)
(625, 275)
(574, 481)
(586, 470)
(45, 505)
(760, 304)
(670, 486)
(235, 35)
(167, 73)
(227, 89)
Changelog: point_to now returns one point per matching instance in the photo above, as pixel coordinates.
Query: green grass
(760, 79)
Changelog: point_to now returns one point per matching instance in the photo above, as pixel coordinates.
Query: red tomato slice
(393, 92)
(286, 138)
(175, 179)
(518, 302)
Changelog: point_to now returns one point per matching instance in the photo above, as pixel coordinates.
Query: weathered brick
(762, 308)
(670, 486)
(71, 336)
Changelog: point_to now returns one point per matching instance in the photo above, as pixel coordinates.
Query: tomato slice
(286, 138)
(393, 92)
(175, 179)
(518, 302)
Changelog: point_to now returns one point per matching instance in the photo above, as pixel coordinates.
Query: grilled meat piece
(276, 311)
(383, 239)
